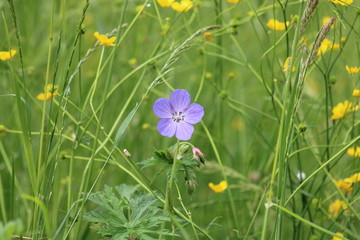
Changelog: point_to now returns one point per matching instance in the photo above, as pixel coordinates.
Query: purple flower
(177, 115)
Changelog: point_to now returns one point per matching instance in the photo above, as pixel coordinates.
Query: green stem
(21, 110)
(321, 167)
(231, 200)
(93, 87)
(307, 222)
(188, 213)
(168, 202)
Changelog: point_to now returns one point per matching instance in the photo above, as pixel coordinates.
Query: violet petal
(162, 108)
(184, 131)
(193, 113)
(167, 127)
(180, 100)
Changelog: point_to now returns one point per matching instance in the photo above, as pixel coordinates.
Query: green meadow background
(262, 126)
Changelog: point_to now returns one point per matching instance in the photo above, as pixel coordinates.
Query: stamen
(177, 117)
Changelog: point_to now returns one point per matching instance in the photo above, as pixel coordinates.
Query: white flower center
(178, 116)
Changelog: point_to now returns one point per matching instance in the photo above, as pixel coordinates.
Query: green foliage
(163, 159)
(262, 128)
(127, 214)
(10, 229)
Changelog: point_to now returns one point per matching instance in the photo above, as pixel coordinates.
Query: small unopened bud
(332, 80)
(294, 18)
(301, 128)
(3, 130)
(198, 155)
(231, 75)
(73, 136)
(82, 29)
(300, 176)
(62, 155)
(132, 62)
(126, 153)
(315, 201)
(191, 186)
(182, 150)
(208, 75)
(254, 176)
(145, 126)
(223, 95)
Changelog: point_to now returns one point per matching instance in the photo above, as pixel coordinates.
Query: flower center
(178, 116)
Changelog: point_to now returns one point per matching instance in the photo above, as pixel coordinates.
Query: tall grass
(270, 134)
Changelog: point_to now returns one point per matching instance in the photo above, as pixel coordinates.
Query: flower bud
(3, 130)
(198, 155)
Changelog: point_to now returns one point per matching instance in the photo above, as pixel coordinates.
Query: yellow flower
(238, 124)
(208, 75)
(340, 110)
(342, 2)
(325, 20)
(7, 55)
(276, 25)
(345, 185)
(327, 45)
(356, 176)
(207, 36)
(145, 126)
(219, 187)
(132, 61)
(183, 6)
(354, 151)
(165, 3)
(339, 234)
(356, 93)
(233, 1)
(337, 207)
(50, 92)
(104, 40)
(286, 65)
(352, 70)
(231, 75)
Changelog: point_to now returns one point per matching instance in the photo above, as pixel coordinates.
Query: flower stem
(168, 203)
(188, 213)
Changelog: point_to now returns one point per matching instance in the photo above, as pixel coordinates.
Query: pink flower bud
(198, 155)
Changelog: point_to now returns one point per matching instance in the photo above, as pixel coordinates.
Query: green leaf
(159, 157)
(130, 213)
(9, 229)
(126, 190)
(124, 125)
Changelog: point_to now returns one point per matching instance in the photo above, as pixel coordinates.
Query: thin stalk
(24, 125)
(201, 80)
(42, 150)
(188, 213)
(335, 156)
(307, 222)
(2, 203)
(168, 201)
(255, 215)
(93, 87)
(229, 194)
